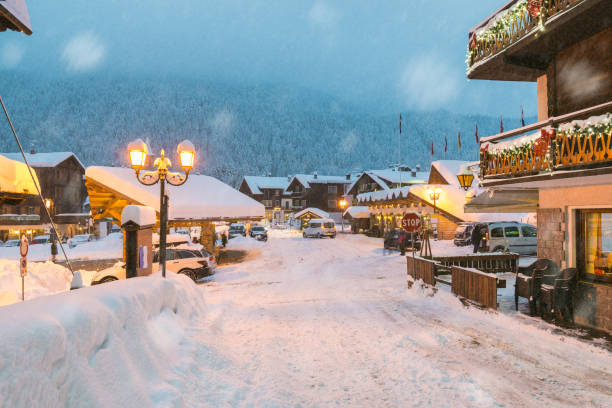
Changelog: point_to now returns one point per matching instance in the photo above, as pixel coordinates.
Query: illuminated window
(595, 245)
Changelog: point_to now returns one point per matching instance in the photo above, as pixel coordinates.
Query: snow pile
(42, 279)
(315, 211)
(122, 344)
(138, 214)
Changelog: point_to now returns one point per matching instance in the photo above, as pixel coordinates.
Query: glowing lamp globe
(138, 154)
(186, 152)
(342, 203)
(465, 177)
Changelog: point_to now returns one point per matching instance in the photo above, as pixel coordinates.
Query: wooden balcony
(514, 45)
(557, 147)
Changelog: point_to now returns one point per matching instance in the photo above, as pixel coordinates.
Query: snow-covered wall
(118, 344)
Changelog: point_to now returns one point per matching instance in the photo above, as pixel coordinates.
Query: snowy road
(331, 323)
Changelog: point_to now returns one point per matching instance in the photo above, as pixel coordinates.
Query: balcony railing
(509, 26)
(557, 144)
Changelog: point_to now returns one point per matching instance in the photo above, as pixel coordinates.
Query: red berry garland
(540, 145)
(534, 7)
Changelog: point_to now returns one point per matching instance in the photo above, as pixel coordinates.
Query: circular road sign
(23, 246)
(411, 222)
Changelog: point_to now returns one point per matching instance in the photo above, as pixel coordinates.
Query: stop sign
(411, 222)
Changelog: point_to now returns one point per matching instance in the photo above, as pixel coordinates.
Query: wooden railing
(488, 263)
(564, 150)
(493, 42)
(421, 268)
(474, 285)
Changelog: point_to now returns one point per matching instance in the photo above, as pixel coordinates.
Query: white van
(320, 228)
(512, 236)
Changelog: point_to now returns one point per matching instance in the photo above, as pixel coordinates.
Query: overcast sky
(384, 55)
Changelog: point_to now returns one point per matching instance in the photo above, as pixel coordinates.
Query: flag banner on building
(400, 123)
(458, 139)
(476, 133)
(445, 145)
(501, 124)
(522, 117)
(432, 149)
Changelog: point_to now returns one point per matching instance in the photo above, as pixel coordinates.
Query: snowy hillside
(238, 129)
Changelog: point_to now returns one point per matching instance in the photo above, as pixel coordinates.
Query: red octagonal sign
(411, 222)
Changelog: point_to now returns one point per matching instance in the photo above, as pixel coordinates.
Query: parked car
(463, 234)
(320, 228)
(511, 236)
(12, 243)
(41, 239)
(236, 229)
(259, 232)
(392, 240)
(79, 239)
(191, 262)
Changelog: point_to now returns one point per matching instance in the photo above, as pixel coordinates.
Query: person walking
(402, 241)
(476, 237)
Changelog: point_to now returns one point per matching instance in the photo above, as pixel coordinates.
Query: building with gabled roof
(319, 191)
(386, 179)
(14, 16)
(270, 191)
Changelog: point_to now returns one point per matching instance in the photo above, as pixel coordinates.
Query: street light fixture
(465, 177)
(434, 195)
(342, 204)
(138, 156)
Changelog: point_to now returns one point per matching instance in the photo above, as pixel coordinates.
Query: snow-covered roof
(15, 12)
(256, 183)
(52, 159)
(15, 177)
(200, 198)
(138, 214)
(392, 176)
(449, 169)
(319, 213)
(307, 179)
(358, 212)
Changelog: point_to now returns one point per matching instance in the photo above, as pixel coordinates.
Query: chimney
(32, 151)
(413, 173)
(418, 167)
(348, 176)
(315, 175)
(289, 177)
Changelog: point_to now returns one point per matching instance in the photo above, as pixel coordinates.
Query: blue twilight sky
(386, 55)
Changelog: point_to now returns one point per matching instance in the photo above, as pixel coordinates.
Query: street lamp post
(465, 177)
(138, 156)
(342, 204)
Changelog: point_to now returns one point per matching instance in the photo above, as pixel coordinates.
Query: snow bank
(16, 178)
(119, 344)
(42, 279)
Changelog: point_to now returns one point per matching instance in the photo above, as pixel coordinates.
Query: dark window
(277, 203)
(511, 232)
(331, 203)
(529, 232)
(296, 203)
(497, 233)
(332, 189)
(304, 203)
(186, 254)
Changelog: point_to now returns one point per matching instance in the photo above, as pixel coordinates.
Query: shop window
(595, 245)
(511, 232)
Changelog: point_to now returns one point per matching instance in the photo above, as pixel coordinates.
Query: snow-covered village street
(332, 323)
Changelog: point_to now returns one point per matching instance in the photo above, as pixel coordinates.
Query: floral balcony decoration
(576, 143)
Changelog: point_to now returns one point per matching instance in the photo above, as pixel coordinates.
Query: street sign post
(24, 246)
(411, 222)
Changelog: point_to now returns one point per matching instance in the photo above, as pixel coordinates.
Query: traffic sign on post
(411, 222)
(24, 245)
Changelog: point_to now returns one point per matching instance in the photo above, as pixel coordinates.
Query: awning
(506, 201)
(14, 15)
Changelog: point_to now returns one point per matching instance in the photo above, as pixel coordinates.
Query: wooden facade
(322, 194)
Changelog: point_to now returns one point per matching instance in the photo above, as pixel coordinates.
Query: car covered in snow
(79, 239)
(41, 239)
(258, 232)
(236, 229)
(195, 263)
(319, 228)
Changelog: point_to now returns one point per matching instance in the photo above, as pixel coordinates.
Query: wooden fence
(421, 268)
(476, 286)
(489, 263)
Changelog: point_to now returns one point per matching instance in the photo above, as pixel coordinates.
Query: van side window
(511, 232)
(497, 233)
(529, 231)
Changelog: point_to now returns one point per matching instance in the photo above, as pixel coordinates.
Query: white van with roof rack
(511, 236)
(319, 228)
